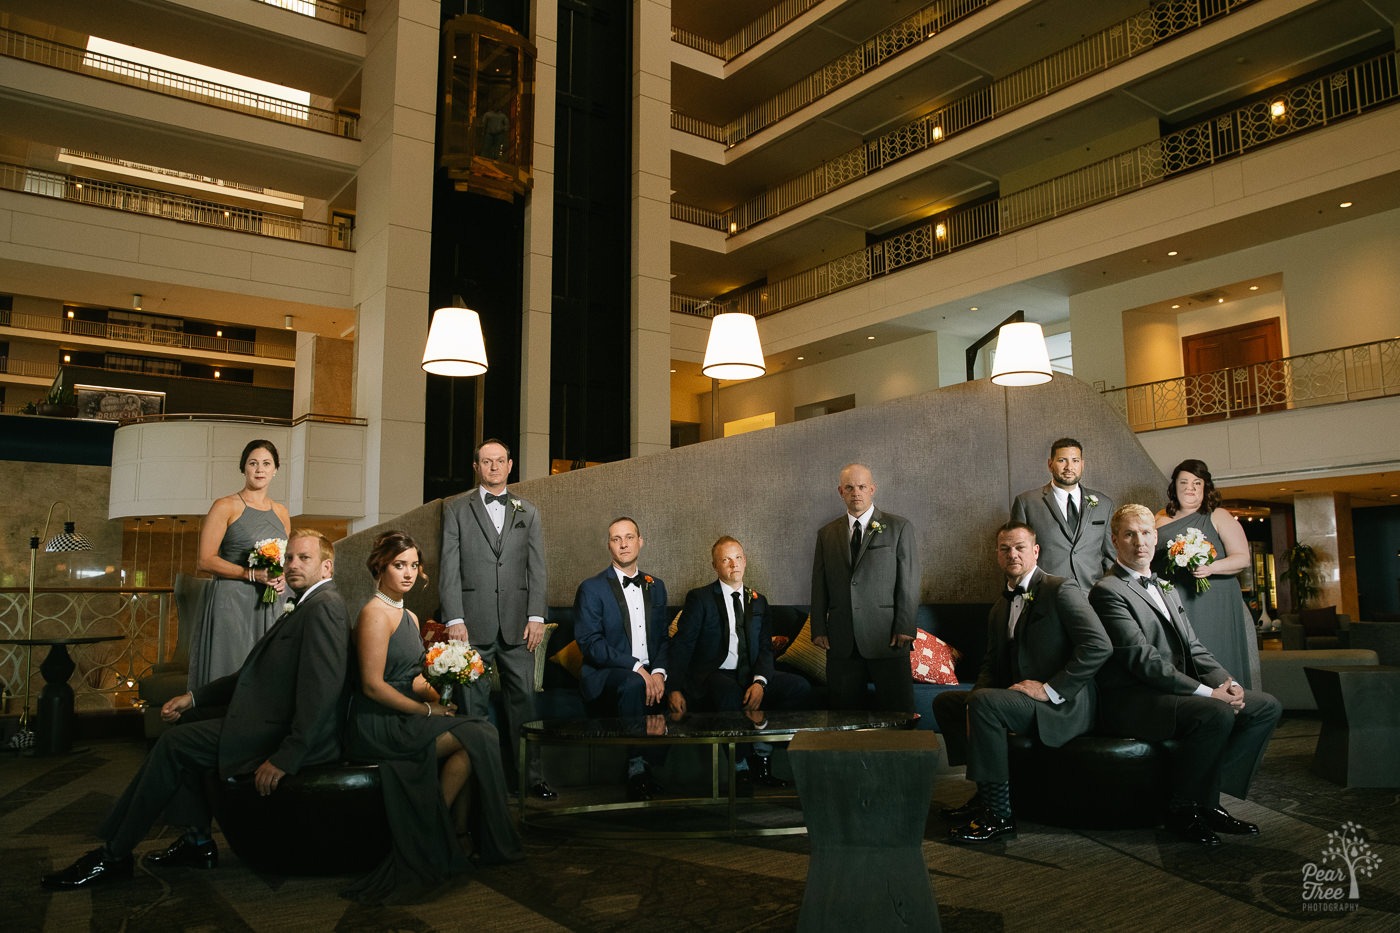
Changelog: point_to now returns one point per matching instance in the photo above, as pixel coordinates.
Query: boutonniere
(647, 581)
(1092, 500)
(1166, 585)
(288, 606)
(516, 505)
(753, 594)
(1027, 597)
(875, 527)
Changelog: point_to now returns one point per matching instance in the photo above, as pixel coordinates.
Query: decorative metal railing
(1348, 374)
(773, 19)
(27, 367)
(158, 170)
(147, 335)
(173, 84)
(324, 10)
(170, 206)
(1133, 36)
(107, 672)
(920, 26)
(1283, 113)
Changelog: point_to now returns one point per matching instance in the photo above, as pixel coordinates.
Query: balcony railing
(169, 206)
(107, 672)
(1347, 93)
(773, 19)
(324, 10)
(13, 367)
(1121, 41)
(920, 26)
(147, 335)
(1348, 374)
(173, 84)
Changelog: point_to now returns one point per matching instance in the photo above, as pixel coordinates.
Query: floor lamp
(732, 352)
(67, 542)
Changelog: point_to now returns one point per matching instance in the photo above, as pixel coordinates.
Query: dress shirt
(863, 518)
(636, 599)
(1062, 497)
(1154, 592)
(496, 510)
(731, 660)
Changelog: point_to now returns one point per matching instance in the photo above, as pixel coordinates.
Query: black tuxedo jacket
(603, 629)
(702, 638)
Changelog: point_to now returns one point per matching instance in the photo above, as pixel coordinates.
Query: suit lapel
(1048, 494)
(483, 521)
(611, 576)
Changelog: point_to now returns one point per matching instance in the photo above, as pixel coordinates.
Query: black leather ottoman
(325, 820)
(1091, 782)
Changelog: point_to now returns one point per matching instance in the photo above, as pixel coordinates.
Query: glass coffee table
(721, 731)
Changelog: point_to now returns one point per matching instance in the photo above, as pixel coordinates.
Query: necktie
(855, 541)
(491, 497)
(1013, 593)
(632, 581)
(742, 639)
(1072, 515)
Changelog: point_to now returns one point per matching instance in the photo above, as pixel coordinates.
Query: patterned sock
(198, 836)
(996, 797)
(636, 766)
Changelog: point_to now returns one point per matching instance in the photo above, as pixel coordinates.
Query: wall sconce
(136, 302)
(1278, 110)
(941, 231)
(455, 345)
(287, 322)
(1021, 356)
(937, 133)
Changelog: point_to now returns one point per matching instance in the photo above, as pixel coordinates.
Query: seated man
(620, 623)
(722, 655)
(1044, 645)
(283, 714)
(1161, 683)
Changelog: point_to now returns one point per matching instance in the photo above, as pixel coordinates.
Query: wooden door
(1234, 371)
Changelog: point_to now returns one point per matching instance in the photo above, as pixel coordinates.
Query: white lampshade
(455, 346)
(733, 351)
(1021, 358)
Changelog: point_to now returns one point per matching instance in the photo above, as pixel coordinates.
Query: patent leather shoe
(957, 816)
(1189, 824)
(985, 828)
(182, 853)
(89, 871)
(542, 790)
(1218, 819)
(640, 786)
(761, 772)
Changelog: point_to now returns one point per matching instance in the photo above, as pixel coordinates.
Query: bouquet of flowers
(450, 663)
(1189, 550)
(268, 554)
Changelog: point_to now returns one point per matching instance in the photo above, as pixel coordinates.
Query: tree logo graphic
(1336, 887)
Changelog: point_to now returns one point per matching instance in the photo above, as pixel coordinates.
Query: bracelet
(429, 708)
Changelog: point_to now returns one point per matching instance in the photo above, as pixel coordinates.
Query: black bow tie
(1146, 582)
(1013, 593)
(490, 498)
(632, 581)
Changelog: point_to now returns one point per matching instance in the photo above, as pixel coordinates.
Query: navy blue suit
(603, 630)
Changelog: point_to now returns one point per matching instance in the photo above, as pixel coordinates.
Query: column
(1323, 521)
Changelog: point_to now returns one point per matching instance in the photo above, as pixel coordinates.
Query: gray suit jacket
(1060, 642)
(869, 603)
(287, 701)
(493, 583)
(1084, 555)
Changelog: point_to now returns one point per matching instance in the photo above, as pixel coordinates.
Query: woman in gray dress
(233, 614)
(426, 755)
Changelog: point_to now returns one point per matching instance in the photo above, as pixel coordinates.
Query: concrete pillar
(1323, 520)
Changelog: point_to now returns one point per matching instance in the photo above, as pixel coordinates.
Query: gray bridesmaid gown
(1218, 615)
(233, 617)
(426, 853)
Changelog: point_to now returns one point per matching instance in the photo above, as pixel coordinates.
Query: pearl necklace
(396, 603)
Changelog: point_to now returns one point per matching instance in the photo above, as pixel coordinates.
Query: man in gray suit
(1161, 683)
(1044, 645)
(492, 592)
(1070, 520)
(283, 713)
(865, 593)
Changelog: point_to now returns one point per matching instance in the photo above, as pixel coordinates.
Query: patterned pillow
(570, 658)
(931, 661)
(541, 656)
(805, 656)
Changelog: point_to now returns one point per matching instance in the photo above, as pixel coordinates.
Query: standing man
(283, 713)
(492, 591)
(620, 623)
(1161, 683)
(722, 655)
(1070, 520)
(865, 593)
(1044, 645)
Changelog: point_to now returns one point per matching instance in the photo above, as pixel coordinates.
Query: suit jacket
(1087, 554)
(702, 639)
(1060, 642)
(603, 629)
(494, 583)
(1143, 640)
(867, 604)
(285, 703)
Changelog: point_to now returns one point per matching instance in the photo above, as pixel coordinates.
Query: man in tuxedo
(492, 589)
(865, 593)
(1161, 683)
(722, 655)
(621, 627)
(283, 712)
(1070, 520)
(1044, 645)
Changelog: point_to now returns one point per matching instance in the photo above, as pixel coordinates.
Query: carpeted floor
(1046, 879)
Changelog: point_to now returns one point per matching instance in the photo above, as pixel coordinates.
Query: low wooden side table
(1359, 745)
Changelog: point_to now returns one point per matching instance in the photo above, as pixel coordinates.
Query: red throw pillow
(931, 661)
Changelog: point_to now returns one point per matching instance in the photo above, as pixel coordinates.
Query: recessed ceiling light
(870, 338)
(973, 308)
(801, 358)
(673, 370)
(1345, 204)
(1220, 301)
(1175, 307)
(1171, 252)
(1254, 288)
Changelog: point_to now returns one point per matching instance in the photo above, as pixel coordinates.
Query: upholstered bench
(323, 820)
(1090, 782)
(1282, 671)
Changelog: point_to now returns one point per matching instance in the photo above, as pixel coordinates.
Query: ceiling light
(1220, 301)
(1175, 307)
(869, 338)
(801, 358)
(973, 308)
(1345, 204)
(70, 314)
(1254, 288)
(219, 332)
(1171, 252)
(673, 372)
(216, 374)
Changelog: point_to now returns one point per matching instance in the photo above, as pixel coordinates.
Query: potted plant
(1301, 574)
(61, 402)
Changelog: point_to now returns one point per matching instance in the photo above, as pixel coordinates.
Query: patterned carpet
(1046, 879)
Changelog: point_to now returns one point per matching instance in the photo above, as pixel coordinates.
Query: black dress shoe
(1189, 824)
(89, 871)
(1222, 822)
(185, 854)
(542, 790)
(640, 786)
(984, 828)
(761, 772)
(958, 816)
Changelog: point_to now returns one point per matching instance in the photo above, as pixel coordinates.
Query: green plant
(61, 394)
(1301, 574)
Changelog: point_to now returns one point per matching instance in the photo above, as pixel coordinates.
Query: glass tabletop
(744, 726)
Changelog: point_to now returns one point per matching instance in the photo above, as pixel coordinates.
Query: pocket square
(522, 524)
(1099, 522)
